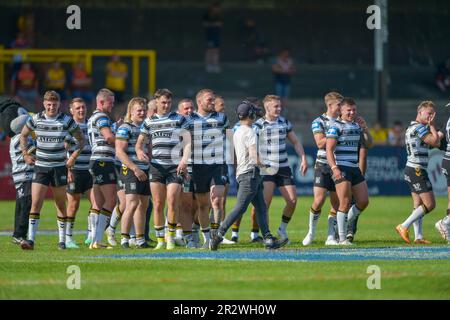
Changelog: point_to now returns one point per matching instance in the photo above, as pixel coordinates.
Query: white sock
(418, 228)
(283, 226)
(353, 213)
(124, 239)
(415, 215)
(33, 223)
(342, 225)
(206, 235)
(69, 227)
(254, 235)
(103, 221)
(94, 223)
(115, 218)
(446, 221)
(331, 223)
(62, 229)
(179, 233)
(132, 231)
(313, 219)
(235, 234)
(140, 240)
(89, 230)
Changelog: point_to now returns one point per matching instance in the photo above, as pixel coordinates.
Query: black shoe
(235, 239)
(27, 245)
(258, 239)
(62, 245)
(216, 239)
(125, 245)
(17, 240)
(144, 245)
(274, 243)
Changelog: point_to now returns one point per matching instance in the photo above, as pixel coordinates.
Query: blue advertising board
(385, 166)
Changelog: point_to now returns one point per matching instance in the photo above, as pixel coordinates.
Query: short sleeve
(145, 127)
(123, 133)
(31, 124)
(422, 131)
(103, 122)
(288, 126)
(317, 127)
(333, 132)
(252, 139)
(72, 126)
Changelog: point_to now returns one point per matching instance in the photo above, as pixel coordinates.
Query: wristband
(335, 166)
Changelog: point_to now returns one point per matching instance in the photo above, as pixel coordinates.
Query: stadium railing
(73, 55)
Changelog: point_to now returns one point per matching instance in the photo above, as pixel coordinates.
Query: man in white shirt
(249, 179)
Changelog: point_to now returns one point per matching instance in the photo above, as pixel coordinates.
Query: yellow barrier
(73, 55)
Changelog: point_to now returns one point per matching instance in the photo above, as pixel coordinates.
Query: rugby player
(101, 166)
(274, 130)
(134, 173)
(208, 137)
(344, 138)
(82, 179)
(167, 171)
(322, 172)
(443, 225)
(420, 136)
(50, 127)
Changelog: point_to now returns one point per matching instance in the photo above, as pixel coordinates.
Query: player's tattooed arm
(24, 145)
(80, 142)
(140, 143)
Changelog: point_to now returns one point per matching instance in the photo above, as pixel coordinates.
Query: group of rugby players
(179, 160)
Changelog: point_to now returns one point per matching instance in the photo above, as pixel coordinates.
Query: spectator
(443, 76)
(116, 75)
(212, 22)
(379, 134)
(55, 80)
(396, 136)
(82, 83)
(24, 86)
(253, 42)
(283, 69)
(19, 42)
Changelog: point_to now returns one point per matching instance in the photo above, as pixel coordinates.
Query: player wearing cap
(51, 167)
(420, 136)
(443, 225)
(250, 181)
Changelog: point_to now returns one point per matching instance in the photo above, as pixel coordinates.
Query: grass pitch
(241, 271)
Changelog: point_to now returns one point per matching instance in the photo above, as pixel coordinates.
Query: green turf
(42, 273)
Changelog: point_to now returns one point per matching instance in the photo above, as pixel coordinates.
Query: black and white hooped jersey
(82, 161)
(272, 141)
(130, 132)
(21, 171)
(164, 132)
(50, 136)
(101, 150)
(348, 136)
(321, 125)
(208, 135)
(416, 148)
(447, 136)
